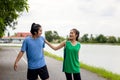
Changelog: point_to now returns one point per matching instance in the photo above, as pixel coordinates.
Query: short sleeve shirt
(34, 51)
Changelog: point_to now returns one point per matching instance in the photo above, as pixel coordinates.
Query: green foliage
(118, 40)
(111, 39)
(53, 36)
(101, 38)
(101, 72)
(84, 38)
(53, 56)
(92, 39)
(9, 12)
(61, 39)
(48, 36)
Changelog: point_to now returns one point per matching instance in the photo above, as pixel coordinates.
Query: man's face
(39, 31)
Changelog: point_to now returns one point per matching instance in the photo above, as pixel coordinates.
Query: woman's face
(72, 35)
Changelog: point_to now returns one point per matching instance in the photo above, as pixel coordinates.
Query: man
(33, 45)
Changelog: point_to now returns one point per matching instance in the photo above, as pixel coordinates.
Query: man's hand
(17, 60)
(15, 67)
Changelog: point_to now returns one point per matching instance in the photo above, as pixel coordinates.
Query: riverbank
(99, 71)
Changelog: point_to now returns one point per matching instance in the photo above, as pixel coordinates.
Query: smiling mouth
(70, 36)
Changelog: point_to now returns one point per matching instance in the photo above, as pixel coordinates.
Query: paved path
(8, 56)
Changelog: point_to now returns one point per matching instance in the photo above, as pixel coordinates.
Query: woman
(71, 64)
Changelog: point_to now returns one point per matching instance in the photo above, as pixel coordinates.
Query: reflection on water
(104, 56)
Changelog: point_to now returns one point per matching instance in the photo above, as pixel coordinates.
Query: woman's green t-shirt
(71, 58)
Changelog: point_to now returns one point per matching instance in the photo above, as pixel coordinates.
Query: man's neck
(34, 36)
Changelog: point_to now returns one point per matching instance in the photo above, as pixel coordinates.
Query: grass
(53, 56)
(99, 71)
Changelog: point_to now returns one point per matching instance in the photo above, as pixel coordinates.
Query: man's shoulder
(27, 38)
(41, 37)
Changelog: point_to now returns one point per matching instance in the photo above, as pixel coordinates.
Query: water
(103, 56)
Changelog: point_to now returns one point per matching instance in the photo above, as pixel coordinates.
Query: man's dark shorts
(32, 74)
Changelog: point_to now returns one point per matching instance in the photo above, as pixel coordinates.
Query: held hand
(15, 67)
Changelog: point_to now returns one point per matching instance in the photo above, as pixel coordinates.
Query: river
(103, 56)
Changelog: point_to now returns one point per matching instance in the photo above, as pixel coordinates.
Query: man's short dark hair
(34, 28)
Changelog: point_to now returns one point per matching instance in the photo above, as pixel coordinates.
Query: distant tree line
(99, 39)
(53, 36)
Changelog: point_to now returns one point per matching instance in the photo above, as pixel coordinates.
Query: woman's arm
(55, 47)
(17, 60)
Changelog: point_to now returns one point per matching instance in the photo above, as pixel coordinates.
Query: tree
(10, 10)
(118, 40)
(92, 39)
(53, 36)
(111, 39)
(48, 36)
(101, 39)
(84, 38)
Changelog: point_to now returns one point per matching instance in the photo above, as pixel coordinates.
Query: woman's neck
(73, 40)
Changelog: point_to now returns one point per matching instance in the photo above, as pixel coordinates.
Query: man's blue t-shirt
(34, 51)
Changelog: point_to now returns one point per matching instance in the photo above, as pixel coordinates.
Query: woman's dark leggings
(76, 76)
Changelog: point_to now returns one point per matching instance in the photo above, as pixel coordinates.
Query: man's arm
(17, 60)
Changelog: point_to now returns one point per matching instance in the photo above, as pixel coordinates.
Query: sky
(88, 16)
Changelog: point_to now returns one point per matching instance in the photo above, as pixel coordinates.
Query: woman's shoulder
(78, 43)
(67, 41)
